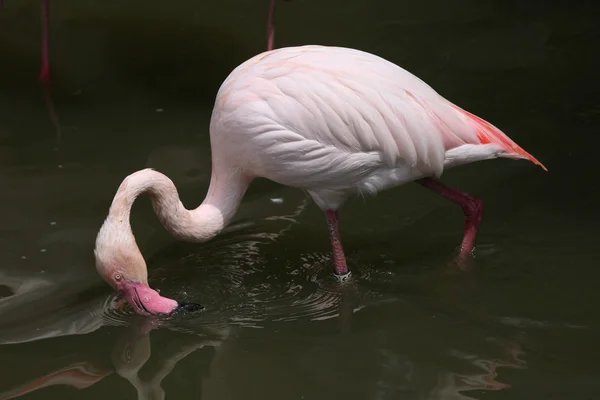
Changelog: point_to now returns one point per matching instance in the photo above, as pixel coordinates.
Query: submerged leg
(339, 259)
(472, 208)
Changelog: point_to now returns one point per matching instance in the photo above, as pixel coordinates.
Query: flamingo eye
(117, 276)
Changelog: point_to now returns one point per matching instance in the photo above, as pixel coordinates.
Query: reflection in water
(390, 365)
(130, 352)
(76, 319)
(451, 385)
(399, 368)
(80, 375)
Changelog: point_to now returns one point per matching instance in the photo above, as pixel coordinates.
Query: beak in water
(146, 300)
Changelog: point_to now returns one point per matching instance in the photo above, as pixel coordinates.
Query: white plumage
(333, 120)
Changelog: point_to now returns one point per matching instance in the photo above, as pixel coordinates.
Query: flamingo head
(126, 272)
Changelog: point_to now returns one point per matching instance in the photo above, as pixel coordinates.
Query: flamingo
(331, 121)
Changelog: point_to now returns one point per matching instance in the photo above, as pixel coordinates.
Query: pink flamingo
(328, 120)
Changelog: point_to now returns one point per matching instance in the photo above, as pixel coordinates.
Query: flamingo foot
(343, 278)
(472, 209)
(339, 259)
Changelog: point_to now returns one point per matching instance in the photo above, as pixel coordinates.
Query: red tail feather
(487, 133)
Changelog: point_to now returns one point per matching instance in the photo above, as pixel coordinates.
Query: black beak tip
(188, 307)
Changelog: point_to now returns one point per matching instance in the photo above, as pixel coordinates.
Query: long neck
(216, 211)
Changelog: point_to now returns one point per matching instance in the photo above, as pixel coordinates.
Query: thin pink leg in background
(270, 25)
(45, 73)
(45, 76)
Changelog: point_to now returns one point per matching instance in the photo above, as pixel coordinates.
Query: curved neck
(216, 211)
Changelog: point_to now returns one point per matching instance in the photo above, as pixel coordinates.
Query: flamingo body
(335, 121)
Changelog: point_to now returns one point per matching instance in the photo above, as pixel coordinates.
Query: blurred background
(133, 85)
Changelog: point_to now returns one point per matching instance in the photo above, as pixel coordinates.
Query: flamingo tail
(488, 133)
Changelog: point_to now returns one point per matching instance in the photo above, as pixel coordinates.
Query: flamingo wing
(328, 109)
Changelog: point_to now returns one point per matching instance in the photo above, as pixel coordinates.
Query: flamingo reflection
(129, 354)
(451, 385)
(133, 351)
(79, 375)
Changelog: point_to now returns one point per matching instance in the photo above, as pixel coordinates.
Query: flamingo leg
(45, 72)
(472, 208)
(339, 259)
(45, 76)
(270, 25)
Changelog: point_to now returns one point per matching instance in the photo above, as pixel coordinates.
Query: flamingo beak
(147, 301)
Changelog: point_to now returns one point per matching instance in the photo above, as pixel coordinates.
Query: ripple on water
(236, 284)
(239, 280)
(112, 315)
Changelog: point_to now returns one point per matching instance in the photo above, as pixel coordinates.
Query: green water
(134, 84)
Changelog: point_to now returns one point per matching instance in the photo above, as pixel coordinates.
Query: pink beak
(147, 301)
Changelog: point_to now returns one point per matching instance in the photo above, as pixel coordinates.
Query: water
(134, 85)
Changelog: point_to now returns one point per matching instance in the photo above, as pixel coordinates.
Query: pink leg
(45, 75)
(339, 259)
(271, 26)
(472, 208)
